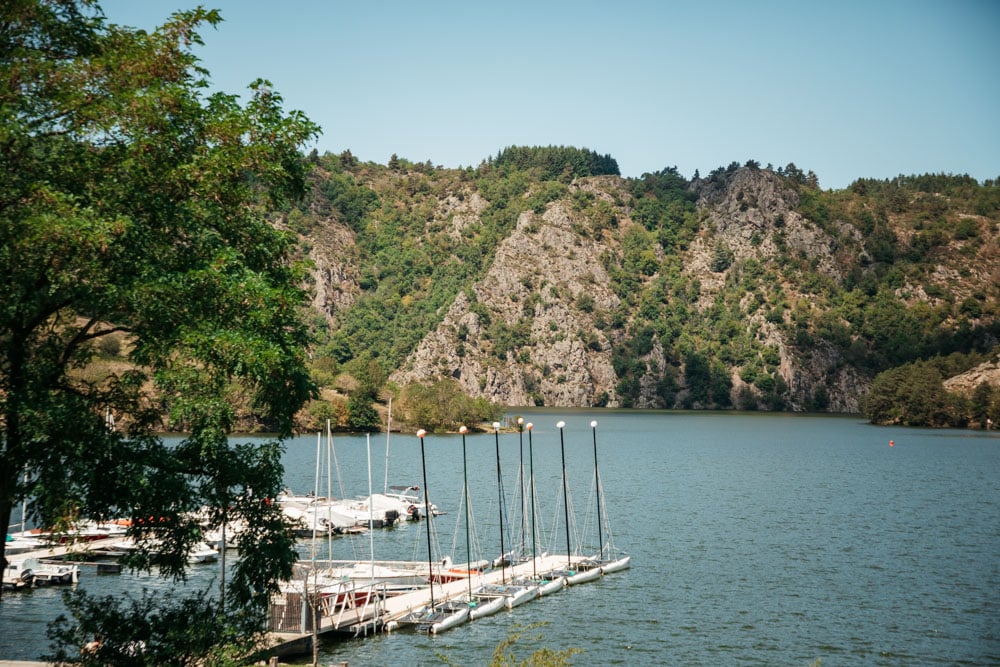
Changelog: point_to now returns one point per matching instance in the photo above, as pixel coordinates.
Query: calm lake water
(755, 540)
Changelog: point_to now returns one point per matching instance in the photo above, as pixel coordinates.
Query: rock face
(545, 288)
(754, 209)
(750, 213)
(544, 325)
(987, 372)
(334, 276)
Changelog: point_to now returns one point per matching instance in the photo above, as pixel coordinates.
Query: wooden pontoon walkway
(370, 618)
(59, 551)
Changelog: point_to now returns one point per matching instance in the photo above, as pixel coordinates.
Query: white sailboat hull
(552, 586)
(487, 607)
(455, 618)
(519, 597)
(583, 576)
(623, 563)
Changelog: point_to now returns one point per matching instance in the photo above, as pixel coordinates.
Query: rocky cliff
(758, 290)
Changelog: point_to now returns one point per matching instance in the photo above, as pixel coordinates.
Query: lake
(756, 539)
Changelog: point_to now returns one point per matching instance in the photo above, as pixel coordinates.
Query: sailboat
(547, 583)
(608, 558)
(480, 602)
(574, 573)
(436, 616)
(513, 593)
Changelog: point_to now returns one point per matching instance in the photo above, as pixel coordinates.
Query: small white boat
(56, 573)
(519, 597)
(393, 579)
(21, 542)
(547, 584)
(513, 594)
(202, 553)
(434, 620)
(326, 516)
(18, 574)
(451, 615)
(551, 585)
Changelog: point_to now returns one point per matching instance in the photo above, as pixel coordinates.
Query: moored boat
(583, 576)
(55, 573)
(17, 575)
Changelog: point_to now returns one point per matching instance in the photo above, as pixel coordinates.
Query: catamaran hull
(617, 565)
(521, 596)
(583, 576)
(455, 618)
(552, 586)
(487, 607)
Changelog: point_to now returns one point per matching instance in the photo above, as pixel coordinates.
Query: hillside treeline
(892, 286)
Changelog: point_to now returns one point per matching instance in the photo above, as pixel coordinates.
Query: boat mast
(520, 475)
(597, 481)
(371, 516)
(465, 489)
(496, 436)
(329, 493)
(562, 449)
(311, 597)
(531, 467)
(427, 510)
(388, 430)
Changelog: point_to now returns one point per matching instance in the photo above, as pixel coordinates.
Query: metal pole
(427, 510)
(597, 480)
(496, 437)
(520, 474)
(465, 484)
(388, 431)
(531, 466)
(562, 448)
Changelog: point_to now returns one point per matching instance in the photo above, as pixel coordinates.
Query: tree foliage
(133, 205)
(442, 406)
(914, 394)
(147, 629)
(554, 163)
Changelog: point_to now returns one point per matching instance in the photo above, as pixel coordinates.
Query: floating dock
(369, 618)
(60, 551)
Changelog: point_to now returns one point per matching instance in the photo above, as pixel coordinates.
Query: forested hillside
(542, 277)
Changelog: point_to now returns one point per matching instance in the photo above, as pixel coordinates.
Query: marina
(361, 597)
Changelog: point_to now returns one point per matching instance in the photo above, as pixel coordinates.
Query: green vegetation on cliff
(860, 280)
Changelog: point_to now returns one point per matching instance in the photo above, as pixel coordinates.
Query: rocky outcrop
(987, 372)
(753, 212)
(334, 273)
(545, 289)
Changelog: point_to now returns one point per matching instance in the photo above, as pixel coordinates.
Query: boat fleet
(369, 595)
(437, 595)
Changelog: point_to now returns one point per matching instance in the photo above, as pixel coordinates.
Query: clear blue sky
(862, 88)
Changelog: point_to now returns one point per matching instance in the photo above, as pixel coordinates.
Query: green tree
(133, 204)
(911, 395)
(361, 414)
(442, 406)
(983, 397)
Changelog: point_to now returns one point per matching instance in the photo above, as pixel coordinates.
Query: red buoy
(892, 444)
